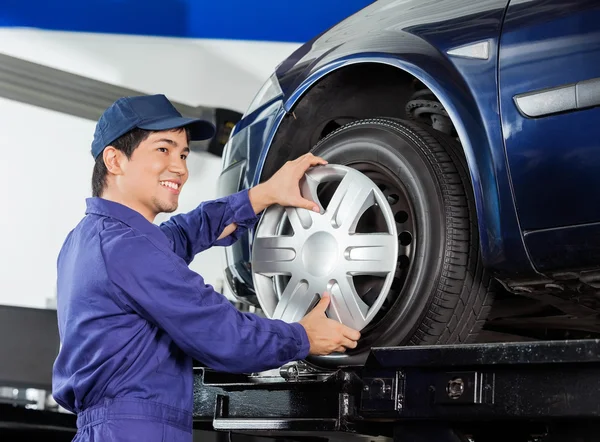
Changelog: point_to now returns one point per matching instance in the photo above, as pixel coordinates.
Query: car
(460, 200)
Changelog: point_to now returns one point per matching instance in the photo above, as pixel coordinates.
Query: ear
(113, 159)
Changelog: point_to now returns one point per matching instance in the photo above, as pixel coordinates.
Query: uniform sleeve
(203, 323)
(198, 230)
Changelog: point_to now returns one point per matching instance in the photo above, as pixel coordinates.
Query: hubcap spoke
(349, 202)
(295, 301)
(274, 255)
(371, 254)
(308, 189)
(300, 219)
(346, 306)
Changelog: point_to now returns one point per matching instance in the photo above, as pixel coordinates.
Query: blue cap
(150, 112)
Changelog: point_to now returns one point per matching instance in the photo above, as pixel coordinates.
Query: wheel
(395, 243)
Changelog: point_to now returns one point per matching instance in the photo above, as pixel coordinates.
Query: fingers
(323, 303)
(350, 333)
(284, 184)
(348, 339)
(348, 343)
(307, 204)
(309, 160)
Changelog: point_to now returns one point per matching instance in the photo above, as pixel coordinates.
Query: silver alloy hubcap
(291, 270)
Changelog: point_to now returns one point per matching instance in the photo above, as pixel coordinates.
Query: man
(131, 313)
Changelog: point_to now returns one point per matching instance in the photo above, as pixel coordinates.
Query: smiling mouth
(170, 185)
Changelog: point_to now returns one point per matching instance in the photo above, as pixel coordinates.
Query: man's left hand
(283, 187)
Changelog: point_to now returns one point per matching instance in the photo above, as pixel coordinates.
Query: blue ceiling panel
(268, 20)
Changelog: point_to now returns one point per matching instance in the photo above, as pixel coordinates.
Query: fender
(468, 90)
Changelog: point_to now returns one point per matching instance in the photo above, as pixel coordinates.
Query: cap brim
(199, 129)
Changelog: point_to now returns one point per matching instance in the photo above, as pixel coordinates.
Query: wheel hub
(320, 254)
(298, 254)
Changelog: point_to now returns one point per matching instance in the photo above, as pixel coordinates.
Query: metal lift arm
(480, 392)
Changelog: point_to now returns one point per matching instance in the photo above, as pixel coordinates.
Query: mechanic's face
(152, 178)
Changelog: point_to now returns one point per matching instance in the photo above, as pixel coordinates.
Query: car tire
(442, 293)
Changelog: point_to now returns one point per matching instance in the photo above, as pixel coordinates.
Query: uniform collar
(118, 211)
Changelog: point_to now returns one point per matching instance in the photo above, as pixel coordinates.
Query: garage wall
(46, 166)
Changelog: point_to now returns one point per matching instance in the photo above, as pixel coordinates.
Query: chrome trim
(565, 98)
(479, 50)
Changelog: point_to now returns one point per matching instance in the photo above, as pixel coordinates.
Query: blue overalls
(132, 315)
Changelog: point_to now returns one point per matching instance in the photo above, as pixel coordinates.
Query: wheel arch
(461, 116)
(456, 97)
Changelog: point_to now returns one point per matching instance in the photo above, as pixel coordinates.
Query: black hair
(127, 144)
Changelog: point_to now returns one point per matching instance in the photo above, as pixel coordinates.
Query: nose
(178, 166)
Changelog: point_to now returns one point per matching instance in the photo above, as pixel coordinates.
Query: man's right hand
(327, 335)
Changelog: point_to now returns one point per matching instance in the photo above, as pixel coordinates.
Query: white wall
(46, 165)
(45, 172)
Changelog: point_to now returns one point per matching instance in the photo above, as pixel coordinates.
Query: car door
(549, 86)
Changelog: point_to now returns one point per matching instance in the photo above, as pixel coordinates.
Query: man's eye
(163, 149)
(184, 157)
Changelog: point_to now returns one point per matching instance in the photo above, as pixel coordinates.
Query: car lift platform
(525, 391)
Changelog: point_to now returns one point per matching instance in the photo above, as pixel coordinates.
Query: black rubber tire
(447, 294)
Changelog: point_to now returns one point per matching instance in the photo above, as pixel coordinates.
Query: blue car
(460, 199)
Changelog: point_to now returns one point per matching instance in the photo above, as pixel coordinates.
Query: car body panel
(550, 49)
(554, 158)
(241, 158)
(480, 132)
(576, 249)
(417, 41)
(414, 36)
